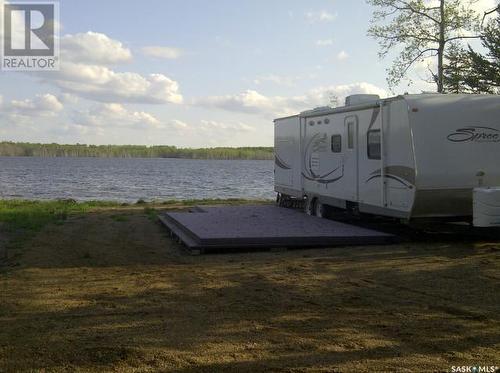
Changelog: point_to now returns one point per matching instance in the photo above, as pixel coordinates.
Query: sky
(195, 73)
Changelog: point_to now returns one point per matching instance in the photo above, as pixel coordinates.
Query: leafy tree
(421, 29)
(131, 151)
(472, 72)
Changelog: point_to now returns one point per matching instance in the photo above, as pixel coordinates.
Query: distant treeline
(12, 149)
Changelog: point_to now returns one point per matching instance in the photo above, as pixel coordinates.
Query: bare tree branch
(488, 12)
(420, 55)
(463, 37)
(408, 36)
(421, 29)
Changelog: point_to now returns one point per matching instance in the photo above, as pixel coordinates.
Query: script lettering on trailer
(475, 134)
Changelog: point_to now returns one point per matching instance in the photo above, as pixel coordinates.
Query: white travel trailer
(407, 157)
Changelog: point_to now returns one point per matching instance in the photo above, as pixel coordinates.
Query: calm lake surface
(128, 180)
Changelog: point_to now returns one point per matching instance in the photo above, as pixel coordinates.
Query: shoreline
(139, 203)
(117, 157)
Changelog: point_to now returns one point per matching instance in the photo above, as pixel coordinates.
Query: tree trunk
(442, 38)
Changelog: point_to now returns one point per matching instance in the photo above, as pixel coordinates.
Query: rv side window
(374, 144)
(350, 135)
(337, 143)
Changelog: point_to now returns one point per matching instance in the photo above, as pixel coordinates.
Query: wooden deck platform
(260, 227)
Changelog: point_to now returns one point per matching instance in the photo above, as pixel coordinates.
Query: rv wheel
(319, 210)
(309, 206)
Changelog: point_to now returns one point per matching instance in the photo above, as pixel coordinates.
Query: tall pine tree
(469, 71)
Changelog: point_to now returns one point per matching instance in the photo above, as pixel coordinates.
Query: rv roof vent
(321, 108)
(360, 99)
(317, 110)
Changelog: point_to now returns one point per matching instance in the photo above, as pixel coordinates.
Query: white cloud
(208, 132)
(210, 125)
(321, 96)
(320, 16)
(26, 115)
(342, 56)
(103, 84)
(68, 98)
(419, 78)
(423, 65)
(167, 53)
(115, 115)
(324, 42)
(85, 72)
(206, 128)
(41, 105)
(252, 102)
(93, 48)
(177, 124)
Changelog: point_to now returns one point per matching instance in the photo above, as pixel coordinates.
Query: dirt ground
(110, 291)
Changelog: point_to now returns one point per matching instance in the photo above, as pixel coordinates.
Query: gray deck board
(264, 226)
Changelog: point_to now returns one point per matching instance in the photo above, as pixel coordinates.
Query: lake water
(127, 180)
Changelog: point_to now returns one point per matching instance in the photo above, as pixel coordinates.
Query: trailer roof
(326, 110)
(410, 98)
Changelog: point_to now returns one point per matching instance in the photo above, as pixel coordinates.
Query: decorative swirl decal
(327, 181)
(318, 143)
(375, 114)
(280, 163)
(404, 175)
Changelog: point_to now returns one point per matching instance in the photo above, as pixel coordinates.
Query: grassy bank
(20, 220)
(31, 216)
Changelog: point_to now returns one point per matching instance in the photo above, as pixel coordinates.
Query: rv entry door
(351, 159)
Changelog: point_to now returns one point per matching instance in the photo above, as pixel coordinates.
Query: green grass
(20, 220)
(151, 213)
(31, 216)
(119, 218)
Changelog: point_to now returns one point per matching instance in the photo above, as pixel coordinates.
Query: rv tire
(309, 206)
(320, 209)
